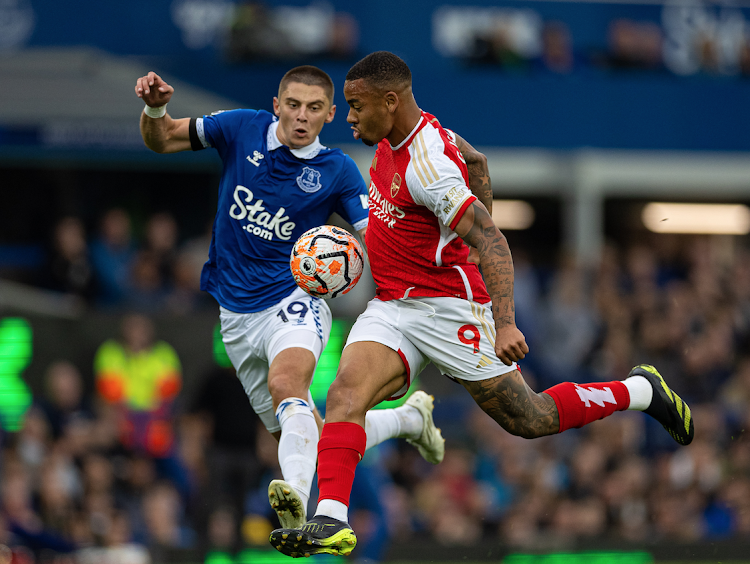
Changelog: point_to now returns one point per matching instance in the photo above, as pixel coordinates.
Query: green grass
(263, 556)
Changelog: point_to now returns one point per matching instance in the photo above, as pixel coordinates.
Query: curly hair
(382, 69)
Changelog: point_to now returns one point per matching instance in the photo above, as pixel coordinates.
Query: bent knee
(282, 388)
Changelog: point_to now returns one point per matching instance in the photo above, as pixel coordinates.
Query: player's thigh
(290, 373)
(368, 373)
(297, 332)
(457, 335)
(254, 340)
(378, 362)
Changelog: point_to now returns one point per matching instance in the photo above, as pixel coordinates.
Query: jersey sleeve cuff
(361, 224)
(197, 136)
(461, 210)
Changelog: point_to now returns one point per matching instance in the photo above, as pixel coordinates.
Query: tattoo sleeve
(477, 229)
(479, 174)
(509, 401)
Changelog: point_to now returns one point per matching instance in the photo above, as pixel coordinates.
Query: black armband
(195, 142)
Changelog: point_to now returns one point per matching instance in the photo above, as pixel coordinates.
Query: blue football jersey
(269, 195)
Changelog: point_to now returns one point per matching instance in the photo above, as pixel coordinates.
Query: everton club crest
(309, 180)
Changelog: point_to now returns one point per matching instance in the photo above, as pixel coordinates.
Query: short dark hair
(382, 69)
(310, 75)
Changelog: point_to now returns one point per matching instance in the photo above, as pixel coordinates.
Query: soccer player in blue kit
(278, 181)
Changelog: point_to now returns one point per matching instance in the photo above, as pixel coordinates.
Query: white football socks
(333, 508)
(383, 424)
(640, 391)
(298, 445)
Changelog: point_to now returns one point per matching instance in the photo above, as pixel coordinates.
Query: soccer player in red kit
(433, 305)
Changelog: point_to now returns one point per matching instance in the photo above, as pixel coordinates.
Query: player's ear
(331, 113)
(276, 106)
(391, 101)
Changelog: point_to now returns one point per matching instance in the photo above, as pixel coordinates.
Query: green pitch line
(588, 557)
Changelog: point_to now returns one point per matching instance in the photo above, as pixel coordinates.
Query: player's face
(302, 110)
(368, 112)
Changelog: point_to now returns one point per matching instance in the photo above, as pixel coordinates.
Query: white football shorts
(456, 335)
(253, 340)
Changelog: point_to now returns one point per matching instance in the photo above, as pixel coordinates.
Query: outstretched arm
(479, 180)
(478, 230)
(161, 134)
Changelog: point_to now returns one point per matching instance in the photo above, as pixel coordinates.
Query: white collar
(308, 152)
(397, 147)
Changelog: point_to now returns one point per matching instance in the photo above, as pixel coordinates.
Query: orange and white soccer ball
(327, 261)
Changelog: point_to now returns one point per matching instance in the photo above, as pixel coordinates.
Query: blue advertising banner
(516, 73)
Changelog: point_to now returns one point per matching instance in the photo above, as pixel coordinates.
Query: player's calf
(514, 406)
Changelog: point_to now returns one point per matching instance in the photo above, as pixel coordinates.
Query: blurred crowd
(684, 43)
(124, 468)
(260, 32)
(114, 268)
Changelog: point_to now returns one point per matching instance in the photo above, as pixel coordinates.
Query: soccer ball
(326, 261)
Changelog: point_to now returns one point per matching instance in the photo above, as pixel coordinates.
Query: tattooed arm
(478, 230)
(479, 180)
(479, 172)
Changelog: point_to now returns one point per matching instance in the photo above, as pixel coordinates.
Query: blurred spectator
(162, 235)
(163, 515)
(64, 398)
(112, 254)
(117, 546)
(22, 521)
(222, 530)
(141, 377)
(495, 47)
(69, 267)
(221, 406)
(186, 296)
(634, 45)
(569, 326)
(159, 276)
(260, 32)
(557, 48)
(147, 290)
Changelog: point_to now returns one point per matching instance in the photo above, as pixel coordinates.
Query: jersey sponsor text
(260, 222)
(384, 210)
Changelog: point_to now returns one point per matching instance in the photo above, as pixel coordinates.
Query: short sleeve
(219, 129)
(353, 203)
(436, 182)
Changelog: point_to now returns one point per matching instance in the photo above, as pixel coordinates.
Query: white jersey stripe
(427, 157)
(417, 162)
(424, 168)
(467, 286)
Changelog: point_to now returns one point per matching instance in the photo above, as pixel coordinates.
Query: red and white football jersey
(418, 193)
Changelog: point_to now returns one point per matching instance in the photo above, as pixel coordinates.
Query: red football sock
(580, 404)
(341, 447)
